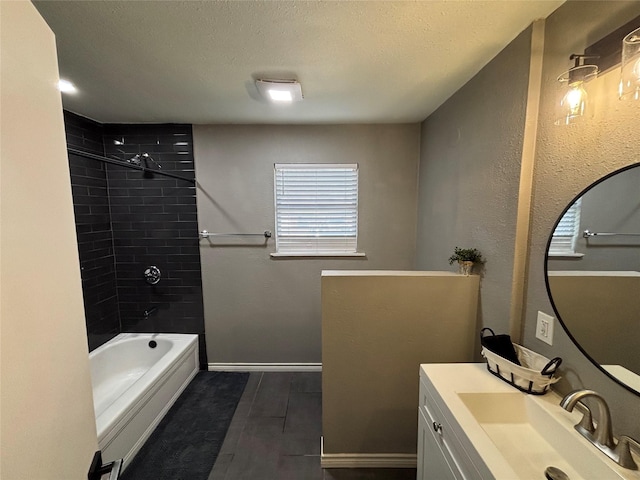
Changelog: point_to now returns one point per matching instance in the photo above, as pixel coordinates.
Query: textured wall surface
(376, 331)
(569, 159)
(261, 309)
(469, 176)
(381, 62)
(47, 423)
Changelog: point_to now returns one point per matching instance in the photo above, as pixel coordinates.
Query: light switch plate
(544, 328)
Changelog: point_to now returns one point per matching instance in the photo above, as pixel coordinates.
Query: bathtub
(134, 386)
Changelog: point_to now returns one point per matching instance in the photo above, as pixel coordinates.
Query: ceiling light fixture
(280, 91)
(65, 86)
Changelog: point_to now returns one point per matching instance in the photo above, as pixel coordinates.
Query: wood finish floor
(275, 434)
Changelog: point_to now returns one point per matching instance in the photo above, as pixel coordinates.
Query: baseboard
(366, 460)
(265, 367)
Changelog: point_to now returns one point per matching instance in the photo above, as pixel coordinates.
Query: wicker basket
(534, 375)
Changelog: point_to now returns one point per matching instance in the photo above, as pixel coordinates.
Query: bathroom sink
(530, 439)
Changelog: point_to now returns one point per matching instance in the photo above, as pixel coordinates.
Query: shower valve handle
(152, 275)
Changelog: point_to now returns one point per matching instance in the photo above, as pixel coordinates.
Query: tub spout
(149, 311)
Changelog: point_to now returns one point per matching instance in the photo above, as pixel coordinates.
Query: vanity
(472, 425)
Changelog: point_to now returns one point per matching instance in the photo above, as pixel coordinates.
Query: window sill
(313, 255)
(565, 255)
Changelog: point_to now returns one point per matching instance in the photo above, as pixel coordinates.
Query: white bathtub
(134, 386)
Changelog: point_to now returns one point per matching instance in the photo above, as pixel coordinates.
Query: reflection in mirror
(593, 279)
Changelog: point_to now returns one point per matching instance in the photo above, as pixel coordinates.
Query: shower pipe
(128, 165)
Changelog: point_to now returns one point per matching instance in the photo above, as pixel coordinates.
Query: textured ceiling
(195, 62)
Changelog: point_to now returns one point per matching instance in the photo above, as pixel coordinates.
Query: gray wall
(260, 309)
(567, 161)
(470, 174)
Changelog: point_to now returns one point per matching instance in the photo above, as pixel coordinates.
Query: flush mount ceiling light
(280, 91)
(65, 86)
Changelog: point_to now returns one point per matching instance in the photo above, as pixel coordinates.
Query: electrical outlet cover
(544, 327)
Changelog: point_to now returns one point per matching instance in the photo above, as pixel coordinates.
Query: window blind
(564, 236)
(316, 208)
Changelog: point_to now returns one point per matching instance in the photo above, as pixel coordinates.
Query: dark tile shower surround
(93, 230)
(152, 221)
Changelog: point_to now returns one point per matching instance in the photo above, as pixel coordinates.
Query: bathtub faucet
(149, 311)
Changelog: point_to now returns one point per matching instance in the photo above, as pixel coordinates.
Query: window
(563, 241)
(316, 209)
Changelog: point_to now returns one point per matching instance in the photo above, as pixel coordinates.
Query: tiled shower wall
(153, 221)
(93, 229)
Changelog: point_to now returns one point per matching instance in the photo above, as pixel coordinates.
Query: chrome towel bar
(588, 233)
(205, 234)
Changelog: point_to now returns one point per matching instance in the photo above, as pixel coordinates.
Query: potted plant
(466, 258)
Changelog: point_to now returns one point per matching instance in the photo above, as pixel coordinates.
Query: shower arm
(128, 165)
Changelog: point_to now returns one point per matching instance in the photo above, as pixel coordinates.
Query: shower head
(147, 158)
(135, 160)
(139, 157)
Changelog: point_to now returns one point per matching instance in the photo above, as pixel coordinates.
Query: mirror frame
(546, 276)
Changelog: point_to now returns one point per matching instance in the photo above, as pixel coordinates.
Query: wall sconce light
(621, 47)
(573, 104)
(630, 75)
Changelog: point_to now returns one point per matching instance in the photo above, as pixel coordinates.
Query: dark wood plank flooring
(275, 434)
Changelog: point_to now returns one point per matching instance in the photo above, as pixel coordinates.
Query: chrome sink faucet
(601, 435)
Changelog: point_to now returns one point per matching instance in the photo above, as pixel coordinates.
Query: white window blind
(563, 241)
(316, 208)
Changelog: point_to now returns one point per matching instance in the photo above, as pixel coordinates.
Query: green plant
(466, 255)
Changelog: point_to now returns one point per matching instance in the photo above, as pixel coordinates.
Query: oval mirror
(592, 273)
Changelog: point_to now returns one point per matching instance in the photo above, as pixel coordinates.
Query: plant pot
(465, 268)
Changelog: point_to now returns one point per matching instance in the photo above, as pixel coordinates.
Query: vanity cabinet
(441, 454)
(434, 457)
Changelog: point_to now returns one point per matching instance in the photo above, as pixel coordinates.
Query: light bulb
(280, 95)
(573, 104)
(65, 86)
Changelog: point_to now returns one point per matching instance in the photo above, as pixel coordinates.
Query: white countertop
(624, 375)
